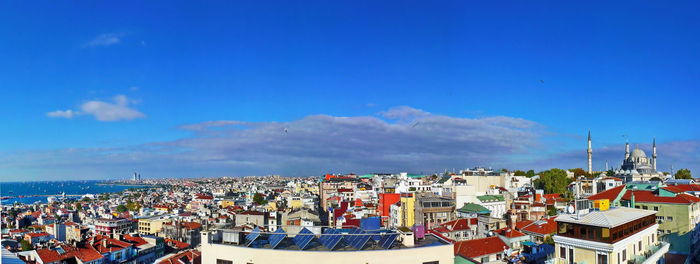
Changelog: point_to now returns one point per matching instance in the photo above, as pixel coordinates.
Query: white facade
(222, 253)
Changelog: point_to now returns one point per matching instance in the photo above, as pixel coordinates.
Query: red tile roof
(612, 178)
(136, 241)
(650, 197)
(19, 231)
(191, 256)
(520, 225)
(687, 187)
(176, 244)
(673, 189)
(610, 194)
(543, 227)
(192, 225)
(204, 196)
(479, 247)
(37, 234)
(509, 233)
(84, 254)
(112, 244)
(458, 224)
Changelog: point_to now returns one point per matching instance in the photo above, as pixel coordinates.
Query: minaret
(590, 154)
(653, 154)
(627, 150)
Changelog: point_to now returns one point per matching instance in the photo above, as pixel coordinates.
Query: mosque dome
(638, 153)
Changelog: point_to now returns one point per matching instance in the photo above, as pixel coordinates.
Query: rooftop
(491, 198)
(337, 240)
(479, 247)
(609, 218)
(473, 208)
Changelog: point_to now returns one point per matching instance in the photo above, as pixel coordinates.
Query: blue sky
(508, 84)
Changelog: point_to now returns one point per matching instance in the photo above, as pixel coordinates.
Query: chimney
(512, 218)
(104, 242)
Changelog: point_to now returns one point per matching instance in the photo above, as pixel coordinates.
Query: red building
(384, 206)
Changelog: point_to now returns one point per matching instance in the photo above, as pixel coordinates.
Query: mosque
(635, 167)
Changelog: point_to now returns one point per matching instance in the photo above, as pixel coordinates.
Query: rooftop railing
(651, 255)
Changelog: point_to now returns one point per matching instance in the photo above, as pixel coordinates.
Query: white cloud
(409, 140)
(117, 110)
(62, 114)
(212, 124)
(106, 111)
(104, 40)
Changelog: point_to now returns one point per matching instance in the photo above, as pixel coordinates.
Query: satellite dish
(570, 209)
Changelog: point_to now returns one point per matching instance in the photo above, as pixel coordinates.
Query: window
(640, 245)
(571, 256)
(562, 252)
(670, 218)
(645, 207)
(221, 261)
(602, 258)
(432, 262)
(656, 208)
(624, 254)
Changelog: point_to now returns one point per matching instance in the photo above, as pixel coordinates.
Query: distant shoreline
(123, 184)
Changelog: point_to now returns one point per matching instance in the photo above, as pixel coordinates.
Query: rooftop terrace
(330, 239)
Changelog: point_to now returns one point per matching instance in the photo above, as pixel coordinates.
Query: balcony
(652, 255)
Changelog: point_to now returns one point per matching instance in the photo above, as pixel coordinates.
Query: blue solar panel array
(276, 237)
(331, 238)
(250, 238)
(303, 238)
(357, 238)
(388, 240)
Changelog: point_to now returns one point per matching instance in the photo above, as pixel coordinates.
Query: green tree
(548, 240)
(132, 206)
(530, 173)
(552, 211)
(655, 179)
(78, 206)
(683, 174)
(553, 181)
(121, 208)
(259, 198)
(25, 245)
(519, 173)
(580, 172)
(504, 170)
(610, 172)
(86, 199)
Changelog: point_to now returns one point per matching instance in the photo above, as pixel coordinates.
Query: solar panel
(359, 239)
(276, 237)
(250, 238)
(388, 239)
(303, 238)
(351, 238)
(331, 238)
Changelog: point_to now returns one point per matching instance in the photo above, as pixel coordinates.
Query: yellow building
(404, 212)
(162, 208)
(618, 235)
(227, 203)
(295, 202)
(152, 226)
